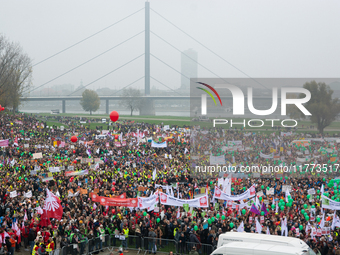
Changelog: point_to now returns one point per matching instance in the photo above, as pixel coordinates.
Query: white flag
(241, 227)
(268, 232)
(284, 228)
(154, 174)
(287, 195)
(258, 226)
(322, 223)
(178, 213)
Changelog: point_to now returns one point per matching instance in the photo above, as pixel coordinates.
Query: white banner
(217, 160)
(234, 143)
(158, 145)
(28, 194)
(146, 202)
(328, 203)
(266, 156)
(13, 194)
(219, 194)
(197, 202)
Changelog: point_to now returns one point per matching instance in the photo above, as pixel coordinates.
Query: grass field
(334, 128)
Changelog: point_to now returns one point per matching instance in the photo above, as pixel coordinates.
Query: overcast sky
(263, 38)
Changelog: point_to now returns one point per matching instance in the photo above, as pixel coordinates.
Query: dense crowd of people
(122, 161)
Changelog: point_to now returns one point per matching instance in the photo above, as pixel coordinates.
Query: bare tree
(15, 73)
(132, 99)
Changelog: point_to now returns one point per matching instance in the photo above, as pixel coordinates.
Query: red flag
(16, 141)
(52, 206)
(44, 220)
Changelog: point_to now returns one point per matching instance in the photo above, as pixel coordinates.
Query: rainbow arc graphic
(209, 93)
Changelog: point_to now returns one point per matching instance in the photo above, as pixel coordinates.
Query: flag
(39, 210)
(44, 220)
(258, 226)
(253, 209)
(25, 217)
(178, 213)
(52, 206)
(268, 232)
(241, 227)
(287, 195)
(284, 228)
(322, 189)
(322, 223)
(154, 173)
(264, 209)
(336, 221)
(16, 141)
(94, 206)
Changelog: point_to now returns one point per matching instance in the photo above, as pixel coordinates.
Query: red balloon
(113, 189)
(113, 211)
(115, 162)
(74, 151)
(74, 139)
(75, 162)
(114, 116)
(116, 137)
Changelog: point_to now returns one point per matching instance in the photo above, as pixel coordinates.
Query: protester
(132, 162)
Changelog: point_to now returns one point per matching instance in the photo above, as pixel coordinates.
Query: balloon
(308, 196)
(303, 211)
(260, 198)
(262, 213)
(211, 183)
(113, 189)
(282, 207)
(307, 218)
(195, 228)
(74, 151)
(209, 221)
(218, 216)
(115, 162)
(232, 189)
(212, 219)
(116, 137)
(74, 139)
(318, 219)
(305, 206)
(114, 116)
(75, 162)
(223, 217)
(273, 206)
(158, 220)
(144, 213)
(262, 186)
(231, 224)
(244, 211)
(300, 227)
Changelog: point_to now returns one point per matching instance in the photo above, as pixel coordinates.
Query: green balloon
(195, 228)
(282, 207)
(305, 206)
(144, 213)
(262, 186)
(231, 224)
(307, 218)
(209, 221)
(262, 213)
(318, 219)
(158, 220)
(300, 227)
(244, 211)
(218, 216)
(273, 206)
(223, 217)
(308, 196)
(213, 219)
(303, 211)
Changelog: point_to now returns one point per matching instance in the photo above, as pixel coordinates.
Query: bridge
(148, 104)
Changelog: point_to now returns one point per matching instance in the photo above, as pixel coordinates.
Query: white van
(241, 237)
(236, 248)
(103, 120)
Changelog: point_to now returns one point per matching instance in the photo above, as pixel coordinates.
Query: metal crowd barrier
(139, 244)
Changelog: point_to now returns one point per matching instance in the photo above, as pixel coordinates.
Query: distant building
(188, 67)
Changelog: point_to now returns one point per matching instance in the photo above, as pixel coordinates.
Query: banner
(28, 194)
(219, 194)
(4, 143)
(146, 202)
(158, 145)
(328, 203)
(234, 143)
(266, 156)
(13, 194)
(170, 200)
(76, 173)
(217, 160)
(127, 202)
(37, 155)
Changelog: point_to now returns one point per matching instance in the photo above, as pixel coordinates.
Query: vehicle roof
(264, 248)
(258, 238)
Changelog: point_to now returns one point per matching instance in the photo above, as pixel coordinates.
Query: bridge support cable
(211, 51)
(87, 37)
(84, 63)
(106, 74)
(170, 66)
(128, 85)
(165, 85)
